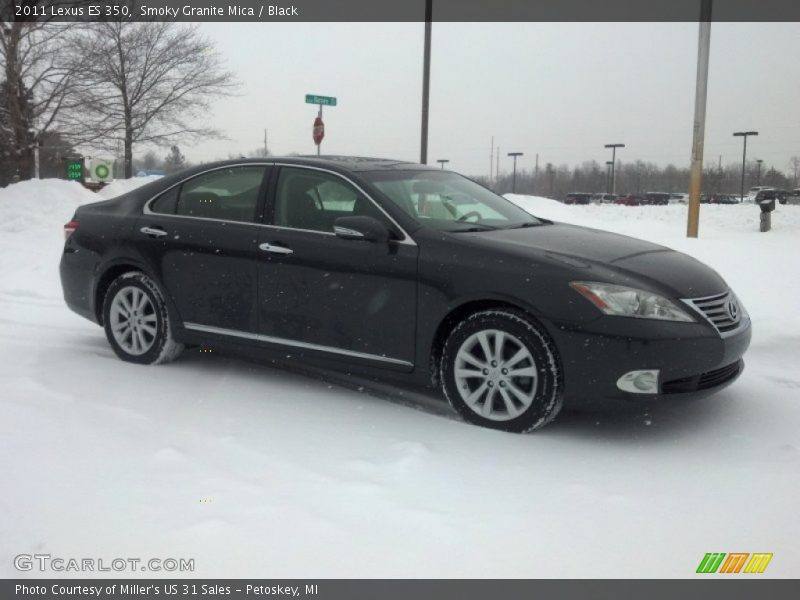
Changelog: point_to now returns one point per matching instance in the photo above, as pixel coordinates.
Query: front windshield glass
(449, 202)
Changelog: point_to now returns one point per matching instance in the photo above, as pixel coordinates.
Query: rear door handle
(153, 231)
(275, 249)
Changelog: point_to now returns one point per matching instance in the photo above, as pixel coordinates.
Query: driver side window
(313, 200)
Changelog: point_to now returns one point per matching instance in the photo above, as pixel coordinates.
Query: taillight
(70, 228)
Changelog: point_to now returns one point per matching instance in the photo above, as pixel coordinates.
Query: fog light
(639, 382)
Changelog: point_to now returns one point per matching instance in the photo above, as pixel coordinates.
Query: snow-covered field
(259, 472)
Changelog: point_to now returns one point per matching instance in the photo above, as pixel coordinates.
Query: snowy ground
(254, 471)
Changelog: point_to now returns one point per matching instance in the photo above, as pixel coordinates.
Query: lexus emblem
(733, 309)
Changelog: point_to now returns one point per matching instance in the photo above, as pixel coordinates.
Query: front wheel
(501, 370)
(136, 321)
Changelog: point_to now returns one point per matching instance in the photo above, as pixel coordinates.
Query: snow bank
(36, 204)
(717, 221)
(122, 186)
(32, 218)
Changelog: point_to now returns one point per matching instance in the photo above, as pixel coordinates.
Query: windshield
(449, 202)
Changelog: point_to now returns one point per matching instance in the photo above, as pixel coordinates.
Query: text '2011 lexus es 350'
(386, 267)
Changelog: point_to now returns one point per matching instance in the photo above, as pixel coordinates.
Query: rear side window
(166, 202)
(226, 194)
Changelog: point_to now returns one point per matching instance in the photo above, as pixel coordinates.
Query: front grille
(723, 311)
(703, 381)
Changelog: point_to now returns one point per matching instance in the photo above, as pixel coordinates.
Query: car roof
(350, 163)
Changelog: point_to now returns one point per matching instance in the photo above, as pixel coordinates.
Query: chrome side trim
(295, 344)
(407, 239)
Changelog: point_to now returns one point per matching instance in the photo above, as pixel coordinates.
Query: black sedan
(399, 270)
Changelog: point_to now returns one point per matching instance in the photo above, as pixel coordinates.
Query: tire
(524, 382)
(150, 340)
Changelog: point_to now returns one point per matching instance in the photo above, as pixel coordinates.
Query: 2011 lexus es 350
(386, 267)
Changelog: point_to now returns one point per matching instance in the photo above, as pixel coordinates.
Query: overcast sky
(562, 90)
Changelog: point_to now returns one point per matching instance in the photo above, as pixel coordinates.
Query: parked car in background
(794, 197)
(656, 198)
(369, 266)
(578, 198)
(630, 200)
(719, 199)
(604, 198)
(679, 198)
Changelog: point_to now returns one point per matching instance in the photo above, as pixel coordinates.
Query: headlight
(629, 302)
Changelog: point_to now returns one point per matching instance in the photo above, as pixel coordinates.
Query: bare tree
(37, 95)
(149, 83)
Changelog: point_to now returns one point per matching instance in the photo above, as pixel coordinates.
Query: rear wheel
(136, 321)
(501, 370)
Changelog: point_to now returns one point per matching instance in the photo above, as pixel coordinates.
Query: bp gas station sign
(100, 170)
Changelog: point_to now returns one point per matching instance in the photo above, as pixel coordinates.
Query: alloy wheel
(496, 375)
(133, 320)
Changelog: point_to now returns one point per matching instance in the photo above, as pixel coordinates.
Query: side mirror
(364, 228)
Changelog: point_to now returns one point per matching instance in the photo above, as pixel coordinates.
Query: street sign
(319, 131)
(322, 100)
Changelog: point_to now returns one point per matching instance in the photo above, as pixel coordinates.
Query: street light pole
(608, 176)
(443, 161)
(514, 176)
(614, 165)
(758, 177)
(426, 83)
(744, 135)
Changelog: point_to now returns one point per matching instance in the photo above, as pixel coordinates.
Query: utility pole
(426, 83)
(536, 174)
(497, 169)
(700, 97)
(613, 165)
(265, 142)
(443, 161)
(491, 160)
(758, 176)
(719, 175)
(744, 135)
(514, 176)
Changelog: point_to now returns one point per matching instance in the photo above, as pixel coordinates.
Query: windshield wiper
(473, 228)
(524, 225)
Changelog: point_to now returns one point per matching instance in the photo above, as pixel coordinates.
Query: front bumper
(693, 359)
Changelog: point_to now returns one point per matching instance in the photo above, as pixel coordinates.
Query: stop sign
(318, 131)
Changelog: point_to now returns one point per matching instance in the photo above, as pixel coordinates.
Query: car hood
(596, 255)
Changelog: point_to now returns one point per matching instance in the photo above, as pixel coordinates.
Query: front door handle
(275, 249)
(153, 231)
